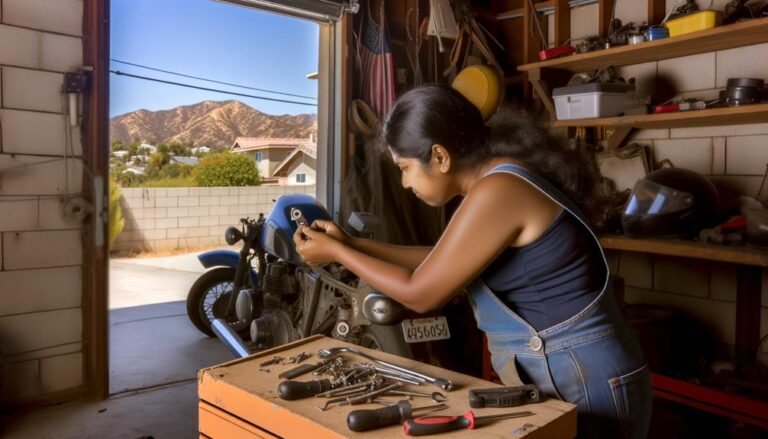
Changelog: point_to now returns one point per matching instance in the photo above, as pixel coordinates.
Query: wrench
(436, 396)
(439, 382)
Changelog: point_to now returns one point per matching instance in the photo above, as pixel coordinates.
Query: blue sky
(213, 40)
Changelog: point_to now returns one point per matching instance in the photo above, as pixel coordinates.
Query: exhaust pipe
(230, 338)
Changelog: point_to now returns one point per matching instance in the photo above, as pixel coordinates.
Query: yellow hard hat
(482, 86)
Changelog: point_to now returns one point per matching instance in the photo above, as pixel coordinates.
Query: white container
(590, 100)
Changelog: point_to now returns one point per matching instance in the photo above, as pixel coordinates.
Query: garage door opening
(213, 115)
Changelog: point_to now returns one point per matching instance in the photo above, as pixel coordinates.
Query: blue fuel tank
(277, 235)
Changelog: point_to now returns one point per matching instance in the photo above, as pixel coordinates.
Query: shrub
(116, 220)
(170, 182)
(129, 179)
(227, 169)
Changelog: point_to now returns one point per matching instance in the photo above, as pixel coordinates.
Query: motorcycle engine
(275, 325)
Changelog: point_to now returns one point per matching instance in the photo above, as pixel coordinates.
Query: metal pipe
(385, 371)
(401, 379)
(229, 337)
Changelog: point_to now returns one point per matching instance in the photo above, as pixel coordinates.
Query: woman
(535, 273)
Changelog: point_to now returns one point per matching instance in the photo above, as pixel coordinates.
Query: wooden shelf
(756, 113)
(724, 37)
(688, 249)
(519, 12)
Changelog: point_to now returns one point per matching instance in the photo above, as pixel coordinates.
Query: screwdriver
(368, 419)
(291, 390)
(441, 424)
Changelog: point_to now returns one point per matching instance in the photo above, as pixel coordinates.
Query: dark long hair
(438, 114)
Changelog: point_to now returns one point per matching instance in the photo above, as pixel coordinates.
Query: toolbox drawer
(217, 423)
(237, 393)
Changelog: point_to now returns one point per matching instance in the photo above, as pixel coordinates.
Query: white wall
(188, 218)
(302, 168)
(41, 166)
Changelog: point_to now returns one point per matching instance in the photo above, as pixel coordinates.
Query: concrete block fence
(163, 219)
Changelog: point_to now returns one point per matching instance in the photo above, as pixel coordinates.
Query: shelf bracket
(618, 137)
(541, 79)
(541, 91)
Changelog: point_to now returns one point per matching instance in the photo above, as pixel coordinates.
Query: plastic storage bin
(695, 22)
(590, 100)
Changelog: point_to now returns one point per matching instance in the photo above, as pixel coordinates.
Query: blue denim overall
(591, 359)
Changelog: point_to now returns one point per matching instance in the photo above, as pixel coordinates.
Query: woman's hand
(333, 230)
(316, 247)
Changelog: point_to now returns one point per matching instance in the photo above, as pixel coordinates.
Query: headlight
(232, 235)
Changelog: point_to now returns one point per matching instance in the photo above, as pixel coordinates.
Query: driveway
(147, 280)
(152, 342)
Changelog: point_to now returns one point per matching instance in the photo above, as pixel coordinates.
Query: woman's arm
(501, 210)
(405, 256)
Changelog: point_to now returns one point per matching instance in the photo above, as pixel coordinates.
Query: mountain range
(208, 123)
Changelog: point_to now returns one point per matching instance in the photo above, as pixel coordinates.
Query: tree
(178, 149)
(129, 179)
(117, 145)
(159, 159)
(133, 148)
(116, 220)
(227, 169)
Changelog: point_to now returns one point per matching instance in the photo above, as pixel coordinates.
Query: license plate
(432, 328)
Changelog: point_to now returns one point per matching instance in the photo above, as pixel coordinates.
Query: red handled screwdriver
(441, 424)
(364, 420)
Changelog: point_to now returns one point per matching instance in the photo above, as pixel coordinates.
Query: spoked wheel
(208, 299)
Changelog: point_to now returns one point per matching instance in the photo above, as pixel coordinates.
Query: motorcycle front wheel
(208, 298)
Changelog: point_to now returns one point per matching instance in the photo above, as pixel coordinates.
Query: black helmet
(670, 202)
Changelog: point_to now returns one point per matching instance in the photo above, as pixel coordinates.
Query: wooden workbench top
(239, 389)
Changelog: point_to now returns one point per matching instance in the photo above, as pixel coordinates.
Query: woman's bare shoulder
(519, 201)
(504, 185)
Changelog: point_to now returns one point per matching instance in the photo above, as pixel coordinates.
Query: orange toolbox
(238, 400)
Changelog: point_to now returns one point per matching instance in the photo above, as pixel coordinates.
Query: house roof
(258, 143)
(189, 161)
(312, 153)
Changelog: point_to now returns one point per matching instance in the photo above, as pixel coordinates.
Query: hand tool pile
(342, 381)
(352, 383)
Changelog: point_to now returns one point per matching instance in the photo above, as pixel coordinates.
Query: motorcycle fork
(241, 275)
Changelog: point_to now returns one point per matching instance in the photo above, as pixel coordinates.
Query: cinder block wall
(41, 167)
(179, 218)
(734, 157)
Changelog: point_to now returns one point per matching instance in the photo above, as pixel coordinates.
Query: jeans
(591, 360)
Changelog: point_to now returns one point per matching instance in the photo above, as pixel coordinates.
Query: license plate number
(432, 328)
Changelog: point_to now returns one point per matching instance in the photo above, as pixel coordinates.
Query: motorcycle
(282, 299)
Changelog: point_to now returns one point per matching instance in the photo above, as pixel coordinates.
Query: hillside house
(281, 161)
(200, 149)
(183, 160)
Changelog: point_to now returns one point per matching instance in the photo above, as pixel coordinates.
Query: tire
(213, 286)
(387, 339)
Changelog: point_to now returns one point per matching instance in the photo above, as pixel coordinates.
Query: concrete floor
(154, 359)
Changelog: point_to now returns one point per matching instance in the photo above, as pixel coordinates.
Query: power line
(117, 72)
(211, 80)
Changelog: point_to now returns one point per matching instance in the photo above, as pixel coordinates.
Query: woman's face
(425, 180)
